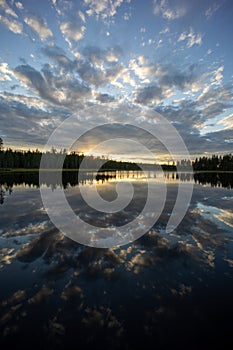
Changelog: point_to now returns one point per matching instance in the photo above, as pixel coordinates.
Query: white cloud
(71, 32)
(191, 38)
(142, 60)
(141, 70)
(103, 8)
(27, 100)
(5, 72)
(126, 16)
(19, 5)
(212, 9)
(217, 76)
(82, 16)
(161, 7)
(165, 30)
(112, 54)
(111, 57)
(227, 121)
(12, 25)
(39, 26)
(7, 9)
(127, 79)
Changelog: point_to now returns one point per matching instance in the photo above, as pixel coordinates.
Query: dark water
(162, 291)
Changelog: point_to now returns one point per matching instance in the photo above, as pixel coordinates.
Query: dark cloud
(221, 94)
(59, 56)
(149, 94)
(174, 77)
(104, 98)
(96, 55)
(95, 66)
(169, 77)
(215, 109)
(56, 89)
(22, 123)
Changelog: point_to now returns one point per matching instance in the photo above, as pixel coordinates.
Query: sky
(60, 58)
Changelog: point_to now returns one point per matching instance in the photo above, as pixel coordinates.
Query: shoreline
(34, 170)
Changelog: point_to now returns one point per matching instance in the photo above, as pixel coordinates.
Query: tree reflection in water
(73, 178)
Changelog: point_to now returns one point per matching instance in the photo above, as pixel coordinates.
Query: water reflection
(215, 179)
(9, 180)
(163, 290)
(4, 189)
(72, 178)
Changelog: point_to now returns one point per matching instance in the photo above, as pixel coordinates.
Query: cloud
(58, 55)
(104, 98)
(82, 16)
(227, 122)
(99, 57)
(7, 9)
(12, 25)
(217, 93)
(214, 109)
(39, 26)
(27, 100)
(217, 76)
(113, 54)
(141, 70)
(21, 122)
(188, 116)
(150, 94)
(164, 80)
(166, 76)
(94, 66)
(222, 138)
(54, 89)
(5, 72)
(172, 76)
(127, 16)
(104, 9)
(99, 67)
(72, 32)
(212, 9)
(161, 7)
(19, 5)
(191, 37)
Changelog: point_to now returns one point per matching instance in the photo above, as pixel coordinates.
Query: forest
(11, 159)
(16, 159)
(214, 163)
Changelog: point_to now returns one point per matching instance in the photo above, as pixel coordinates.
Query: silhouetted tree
(1, 143)
(222, 163)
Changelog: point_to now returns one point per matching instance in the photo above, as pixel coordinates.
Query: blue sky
(61, 57)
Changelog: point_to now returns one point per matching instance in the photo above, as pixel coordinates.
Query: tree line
(214, 163)
(13, 159)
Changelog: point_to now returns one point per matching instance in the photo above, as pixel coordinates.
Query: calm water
(164, 290)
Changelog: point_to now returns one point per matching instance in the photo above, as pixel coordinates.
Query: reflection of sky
(217, 215)
(73, 289)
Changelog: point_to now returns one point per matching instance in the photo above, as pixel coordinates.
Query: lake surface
(162, 291)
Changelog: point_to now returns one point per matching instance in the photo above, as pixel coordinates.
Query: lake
(164, 290)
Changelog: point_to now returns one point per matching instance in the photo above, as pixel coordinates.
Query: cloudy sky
(59, 58)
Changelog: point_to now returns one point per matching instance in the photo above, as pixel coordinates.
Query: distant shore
(26, 170)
